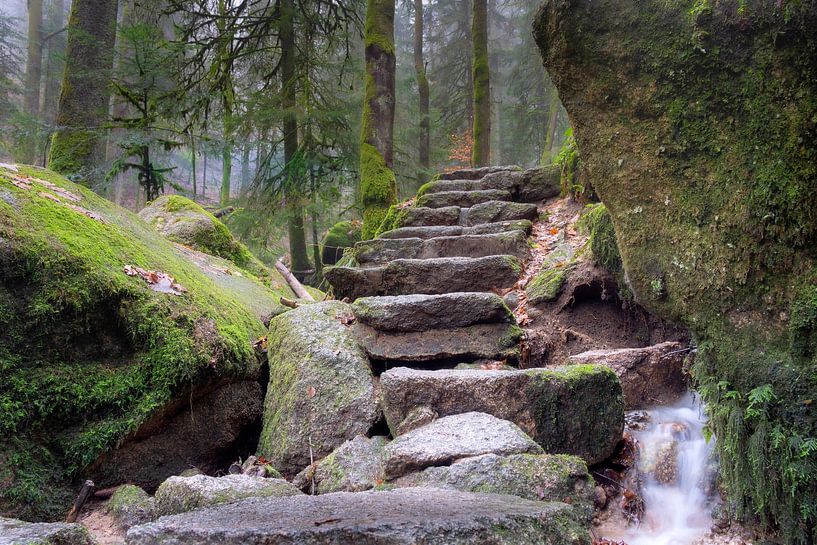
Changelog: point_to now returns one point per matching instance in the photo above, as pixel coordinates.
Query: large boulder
(355, 466)
(182, 494)
(399, 517)
(543, 477)
(451, 438)
(651, 376)
(17, 532)
(696, 126)
(574, 409)
(112, 336)
(130, 506)
(186, 222)
(342, 235)
(321, 391)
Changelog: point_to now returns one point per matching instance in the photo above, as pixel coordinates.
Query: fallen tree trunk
(293, 282)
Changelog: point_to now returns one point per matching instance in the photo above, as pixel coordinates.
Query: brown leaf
(311, 392)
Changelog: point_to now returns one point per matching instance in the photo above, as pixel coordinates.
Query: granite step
(434, 231)
(380, 251)
(463, 199)
(475, 173)
(486, 212)
(426, 276)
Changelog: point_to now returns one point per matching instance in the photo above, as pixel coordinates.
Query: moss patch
(378, 189)
(88, 353)
(340, 236)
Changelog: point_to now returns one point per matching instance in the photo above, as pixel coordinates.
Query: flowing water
(674, 464)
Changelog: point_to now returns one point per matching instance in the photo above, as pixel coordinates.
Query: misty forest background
(196, 92)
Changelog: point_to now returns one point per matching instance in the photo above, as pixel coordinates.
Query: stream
(674, 473)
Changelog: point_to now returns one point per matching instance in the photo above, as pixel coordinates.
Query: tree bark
(481, 152)
(292, 194)
(83, 108)
(422, 84)
(54, 65)
(378, 185)
(245, 166)
(227, 100)
(553, 124)
(34, 63)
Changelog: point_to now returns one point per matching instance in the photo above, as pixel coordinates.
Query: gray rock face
(476, 173)
(400, 517)
(649, 376)
(355, 466)
(182, 494)
(417, 216)
(383, 250)
(495, 211)
(130, 505)
(464, 199)
(440, 186)
(487, 341)
(424, 312)
(433, 231)
(543, 477)
(17, 532)
(426, 276)
(538, 184)
(320, 391)
(451, 438)
(572, 410)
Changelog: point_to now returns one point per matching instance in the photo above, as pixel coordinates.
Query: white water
(678, 512)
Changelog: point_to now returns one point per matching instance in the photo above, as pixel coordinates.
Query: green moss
(546, 285)
(70, 153)
(424, 188)
(342, 235)
(89, 353)
(378, 189)
(379, 25)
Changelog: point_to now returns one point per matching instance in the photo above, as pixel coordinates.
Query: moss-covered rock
(342, 235)
(697, 124)
(546, 285)
(183, 494)
(130, 505)
(321, 391)
(91, 356)
(355, 466)
(184, 221)
(14, 532)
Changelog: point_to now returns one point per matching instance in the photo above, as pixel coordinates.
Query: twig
(293, 282)
(289, 303)
(611, 481)
(681, 351)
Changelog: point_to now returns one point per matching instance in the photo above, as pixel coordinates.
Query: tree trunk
(193, 163)
(34, 63)
(204, 176)
(245, 166)
(553, 123)
(227, 100)
(76, 147)
(378, 186)
(422, 83)
(226, 156)
(54, 65)
(294, 208)
(481, 152)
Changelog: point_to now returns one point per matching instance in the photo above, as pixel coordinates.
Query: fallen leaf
(49, 196)
(554, 231)
(311, 392)
(158, 281)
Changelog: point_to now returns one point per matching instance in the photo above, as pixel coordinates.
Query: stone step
(383, 250)
(403, 313)
(479, 341)
(532, 185)
(426, 276)
(476, 173)
(463, 199)
(571, 410)
(433, 231)
(404, 516)
(486, 212)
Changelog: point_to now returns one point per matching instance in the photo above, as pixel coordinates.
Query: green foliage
(598, 223)
(568, 161)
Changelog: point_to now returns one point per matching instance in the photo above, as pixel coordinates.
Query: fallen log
(84, 493)
(293, 282)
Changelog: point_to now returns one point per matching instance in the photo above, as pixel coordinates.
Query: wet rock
(418, 216)
(355, 466)
(17, 532)
(182, 494)
(542, 477)
(494, 211)
(383, 250)
(567, 410)
(399, 517)
(649, 376)
(666, 464)
(451, 438)
(426, 276)
(320, 390)
(463, 199)
(424, 312)
(130, 506)
(599, 497)
(433, 231)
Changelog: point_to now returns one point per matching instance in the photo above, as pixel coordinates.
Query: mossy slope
(88, 353)
(697, 124)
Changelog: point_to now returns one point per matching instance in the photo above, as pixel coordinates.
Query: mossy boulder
(183, 494)
(546, 285)
(321, 390)
(340, 236)
(184, 221)
(130, 506)
(697, 125)
(355, 466)
(97, 357)
(17, 532)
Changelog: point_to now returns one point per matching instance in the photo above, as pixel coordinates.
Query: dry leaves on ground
(158, 281)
